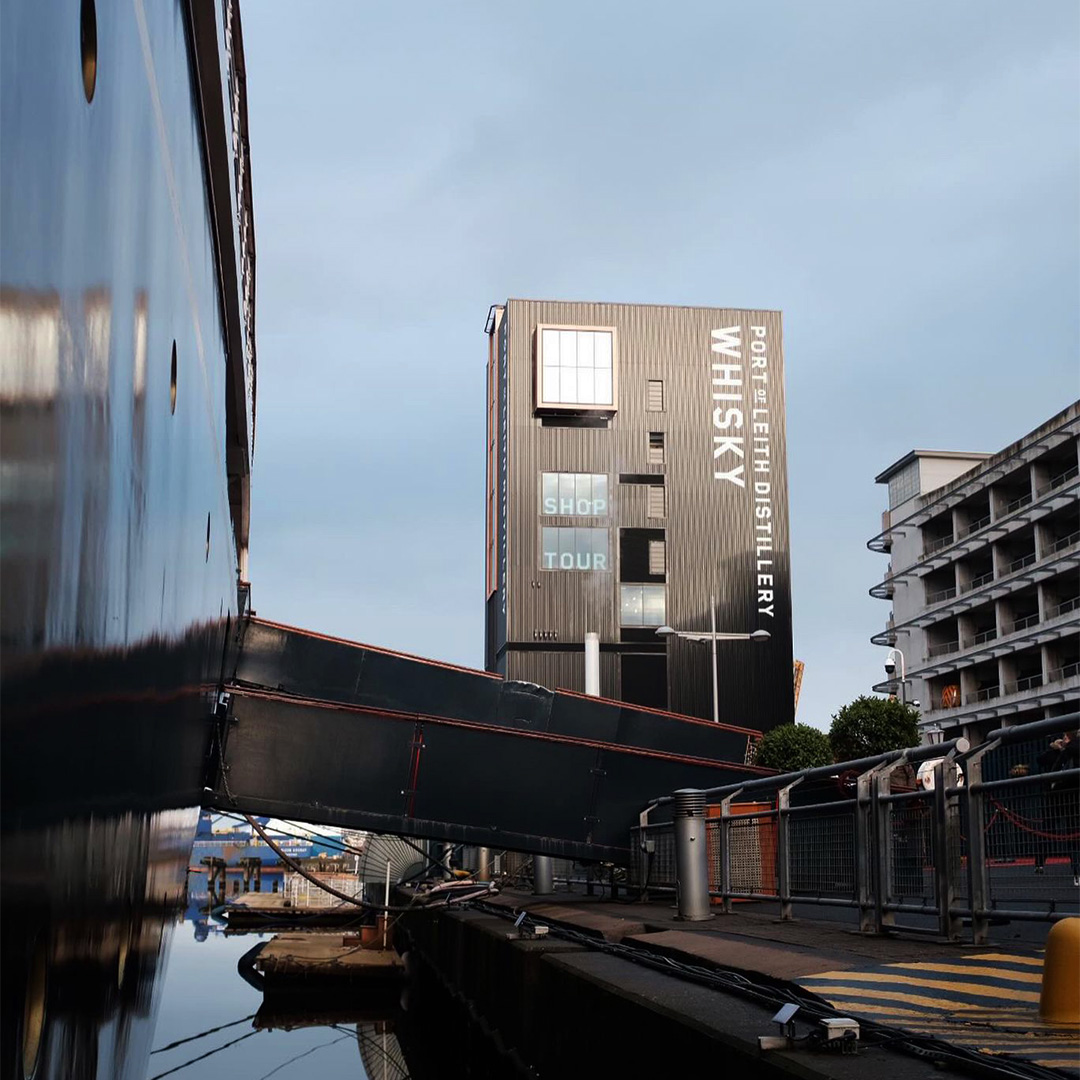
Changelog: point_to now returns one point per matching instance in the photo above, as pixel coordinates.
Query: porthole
(207, 537)
(33, 1028)
(172, 381)
(88, 47)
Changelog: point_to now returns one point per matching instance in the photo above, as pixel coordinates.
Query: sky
(902, 180)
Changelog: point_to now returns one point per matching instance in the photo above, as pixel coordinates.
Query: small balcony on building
(1011, 492)
(1020, 611)
(979, 626)
(1023, 671)
(980, 683)
(972, 514)
(1060, 530)
(937, 533)
(943, 638)
(974, 572)
(886, 588)
(1064, 660)
(886, 637)
(1016, 551)
(1056, 468)
(940, 585)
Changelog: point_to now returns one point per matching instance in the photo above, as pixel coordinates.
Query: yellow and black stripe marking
(988, 1002)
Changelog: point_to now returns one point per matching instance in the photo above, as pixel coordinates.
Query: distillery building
(637, 469)
(984, 553)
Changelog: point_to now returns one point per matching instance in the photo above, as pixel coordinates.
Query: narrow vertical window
(656, 503)
(655, 397)
(657, 557)
(656, 448)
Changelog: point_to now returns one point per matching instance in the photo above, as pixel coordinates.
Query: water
(201, 989)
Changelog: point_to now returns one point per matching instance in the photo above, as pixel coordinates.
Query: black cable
(201, 1035)
(202, 1057)
(772, 995)
(278, 1068)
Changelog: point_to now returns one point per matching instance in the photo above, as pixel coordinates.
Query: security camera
(915, 704)
(890, 667)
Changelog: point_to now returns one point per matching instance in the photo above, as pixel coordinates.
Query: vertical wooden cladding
(710, 525)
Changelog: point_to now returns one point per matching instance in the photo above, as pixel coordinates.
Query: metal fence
(973, 835)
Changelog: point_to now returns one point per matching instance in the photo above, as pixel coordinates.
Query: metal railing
(984, 636)
(942, 649)
(1023, 500)
(1029, 682)
(1063, 542)
(1064, 607)
(1062, 673)
(986, 693)
(973, 526)
(1019, 564)
(941, 594)
(993, 834)
(936, 545)
(975, 582)
(1024, 623)
(1057, 481)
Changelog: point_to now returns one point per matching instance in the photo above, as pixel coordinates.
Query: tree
(873, 725)
(793, 746)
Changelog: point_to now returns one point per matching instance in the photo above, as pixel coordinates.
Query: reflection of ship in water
(224, 837)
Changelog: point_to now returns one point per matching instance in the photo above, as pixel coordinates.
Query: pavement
(982, 998)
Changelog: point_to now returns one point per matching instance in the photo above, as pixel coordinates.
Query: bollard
(1059, 1001)
(691, 861)
(543, 875)
(483, 863)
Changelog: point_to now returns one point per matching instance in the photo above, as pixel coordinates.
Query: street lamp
(714, 637)
(890, 670)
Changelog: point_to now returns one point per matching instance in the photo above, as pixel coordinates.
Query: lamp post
(890, 670)
(713, 637)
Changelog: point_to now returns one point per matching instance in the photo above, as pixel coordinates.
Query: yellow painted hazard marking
(957, 969)
(920, 998)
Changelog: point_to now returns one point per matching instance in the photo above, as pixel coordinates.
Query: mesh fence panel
(822, 858)
(1033, 844)
(752, 841)
(911, 853)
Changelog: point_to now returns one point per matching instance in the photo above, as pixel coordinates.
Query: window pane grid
(576, 367)
(573, 548)
(574, 494)
(642, 605)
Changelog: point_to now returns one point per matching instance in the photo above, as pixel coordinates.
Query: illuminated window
(576, 367)
(642, 605)
(574, 549)
(574, 494)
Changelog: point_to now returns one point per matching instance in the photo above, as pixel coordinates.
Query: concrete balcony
(1063, 687)
(1023, 634)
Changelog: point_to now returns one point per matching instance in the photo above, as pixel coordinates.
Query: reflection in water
(87, 907)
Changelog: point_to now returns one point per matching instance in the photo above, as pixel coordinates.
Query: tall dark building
(636, 467)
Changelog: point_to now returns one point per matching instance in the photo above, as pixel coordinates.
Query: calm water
(201, 989)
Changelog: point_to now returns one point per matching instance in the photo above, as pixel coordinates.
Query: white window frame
(538, 371)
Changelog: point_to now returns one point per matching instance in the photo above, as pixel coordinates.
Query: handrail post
(978, 871)
(725, 851)
(864, 849)
(946, 834)
(881, 812)
(783, 848)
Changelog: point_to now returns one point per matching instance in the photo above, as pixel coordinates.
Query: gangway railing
(924, 839)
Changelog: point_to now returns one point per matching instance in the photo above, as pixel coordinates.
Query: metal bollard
(691, 861)
(483, 863)
(543, 875)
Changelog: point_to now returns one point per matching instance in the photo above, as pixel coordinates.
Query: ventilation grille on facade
(656, 501)
(655, 400)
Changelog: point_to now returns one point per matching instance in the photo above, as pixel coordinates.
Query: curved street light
(713, 636)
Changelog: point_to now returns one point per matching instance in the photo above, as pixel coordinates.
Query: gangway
(319, 729)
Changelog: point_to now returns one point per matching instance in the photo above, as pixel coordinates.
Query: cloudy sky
(902, 180)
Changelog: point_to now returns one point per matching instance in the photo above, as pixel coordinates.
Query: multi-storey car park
(984, 551)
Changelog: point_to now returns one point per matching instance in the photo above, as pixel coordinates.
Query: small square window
(656, 448)
(575, 367)
(655, 396)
